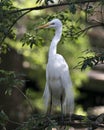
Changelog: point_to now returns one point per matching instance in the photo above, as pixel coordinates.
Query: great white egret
(58, 88)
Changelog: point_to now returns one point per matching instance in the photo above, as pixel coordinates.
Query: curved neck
(55, 40)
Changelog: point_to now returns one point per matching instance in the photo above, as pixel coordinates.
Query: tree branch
(27, 99)
(54, 5)
(77, 121)
(86, 29)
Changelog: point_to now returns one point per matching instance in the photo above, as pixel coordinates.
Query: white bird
(58, 88)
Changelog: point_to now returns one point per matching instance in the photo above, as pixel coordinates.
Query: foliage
(95, 57)
(3, 118)
(10, 79)
(30, 40)
(7, 20)
(92, 61)
(37, 122)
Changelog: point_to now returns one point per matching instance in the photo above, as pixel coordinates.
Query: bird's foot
(62, 127)
(70, 117)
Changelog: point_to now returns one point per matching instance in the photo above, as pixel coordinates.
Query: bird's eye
(52, 23)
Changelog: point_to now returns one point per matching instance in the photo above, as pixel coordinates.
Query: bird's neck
(56, 39)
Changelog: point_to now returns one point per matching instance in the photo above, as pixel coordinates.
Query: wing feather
(68, 104)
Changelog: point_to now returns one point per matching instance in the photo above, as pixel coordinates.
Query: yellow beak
(43, 26)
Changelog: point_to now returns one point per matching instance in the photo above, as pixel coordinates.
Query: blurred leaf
(3, 118)
(38, 1)
(8, 91)
(46, 1)
(7, 20)
(10, 79)
(91, 61)
(72, 8)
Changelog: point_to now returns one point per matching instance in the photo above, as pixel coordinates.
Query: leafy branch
(38, 122)
(10, 79)
(4, 119)
(73, 34)
(11, 15)
(10, 27)
(54, 5)
(91, 61)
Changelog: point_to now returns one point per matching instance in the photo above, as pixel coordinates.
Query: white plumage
(58, 89)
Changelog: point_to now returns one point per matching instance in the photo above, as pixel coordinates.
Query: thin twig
(87, 28)
(102, 6)
(14, 122)
(27, 99)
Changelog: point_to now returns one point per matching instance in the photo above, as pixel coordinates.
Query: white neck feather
(55, 40)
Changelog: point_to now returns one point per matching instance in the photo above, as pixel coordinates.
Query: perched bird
(58, 88)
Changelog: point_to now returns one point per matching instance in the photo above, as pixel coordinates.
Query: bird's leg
(61, 100)
(70, 117)
(50, 109)
(50, 105)
(62, 114)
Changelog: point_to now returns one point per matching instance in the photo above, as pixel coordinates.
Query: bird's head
(55, 23)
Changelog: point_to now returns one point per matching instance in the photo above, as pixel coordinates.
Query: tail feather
(68, 104)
